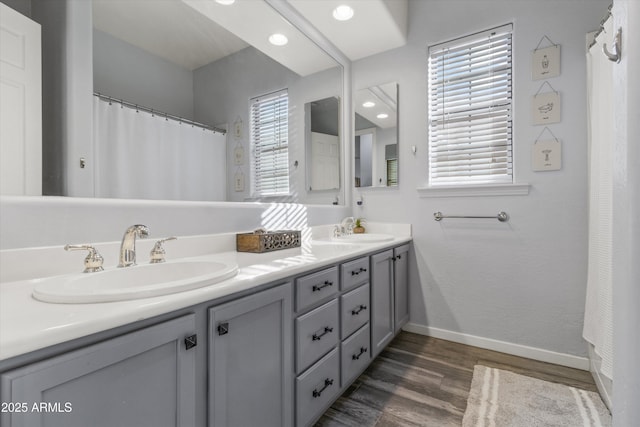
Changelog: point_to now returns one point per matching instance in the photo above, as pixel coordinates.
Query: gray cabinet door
(145, 378)
(382, 297)
(401, 286)
(250, 361)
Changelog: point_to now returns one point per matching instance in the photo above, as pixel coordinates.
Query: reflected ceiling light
(369, 104)
(225, 2)
(382, 116)
(278, 39)
(343, 13)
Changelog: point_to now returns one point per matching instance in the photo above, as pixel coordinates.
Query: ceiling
(193, 33)
(385, 98)
(376, 26)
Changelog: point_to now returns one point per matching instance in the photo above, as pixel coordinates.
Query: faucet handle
(157, 253)
(93, 261)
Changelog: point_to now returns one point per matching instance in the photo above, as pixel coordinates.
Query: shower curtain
(143, 156)
(598, 322)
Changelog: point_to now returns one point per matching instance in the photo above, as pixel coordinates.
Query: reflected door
(325, 158)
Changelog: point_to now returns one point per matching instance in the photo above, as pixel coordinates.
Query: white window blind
(270, 144)
(392, 172)
(470, 109)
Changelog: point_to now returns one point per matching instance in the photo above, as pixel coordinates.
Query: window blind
(392, 172)
(270, 144)
(470, 109)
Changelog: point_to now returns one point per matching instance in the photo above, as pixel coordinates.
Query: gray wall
(522, 282)
(124, 71)
(22, 6)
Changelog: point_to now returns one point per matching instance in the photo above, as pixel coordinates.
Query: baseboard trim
(534, 353)
(603, 383)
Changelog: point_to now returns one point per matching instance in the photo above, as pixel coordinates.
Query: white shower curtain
(142, 156)
(598, 323)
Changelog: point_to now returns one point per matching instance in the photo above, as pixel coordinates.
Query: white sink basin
(364, 238)
(139, 281)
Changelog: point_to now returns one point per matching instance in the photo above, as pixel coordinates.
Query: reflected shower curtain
(143, 156)
(598, 322)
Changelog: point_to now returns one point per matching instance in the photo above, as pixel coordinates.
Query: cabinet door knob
(191, 341)
(223, 328)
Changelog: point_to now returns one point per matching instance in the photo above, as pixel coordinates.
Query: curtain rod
(159, 113)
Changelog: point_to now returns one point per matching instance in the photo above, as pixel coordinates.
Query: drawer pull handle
(317, 337)
(324, 285)
(362, 351)
(356, 272)
(327, 382)
(358, 310)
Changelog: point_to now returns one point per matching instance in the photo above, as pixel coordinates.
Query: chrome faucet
(128, 245)
(347, 224)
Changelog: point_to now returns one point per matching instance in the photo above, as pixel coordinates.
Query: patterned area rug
(501, 398)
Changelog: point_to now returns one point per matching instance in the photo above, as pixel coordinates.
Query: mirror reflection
(201, 62)
(322, 140)
(376, 136)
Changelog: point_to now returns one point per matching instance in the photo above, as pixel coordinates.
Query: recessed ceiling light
(226, 2)
(369, 104)
(382, 116)
(343, 13)
(278, 39)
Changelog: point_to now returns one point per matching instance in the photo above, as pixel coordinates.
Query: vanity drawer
(354, 273)
(316, 287)
(356, 354)
(317, 388)
(355, 309)
(316, 333)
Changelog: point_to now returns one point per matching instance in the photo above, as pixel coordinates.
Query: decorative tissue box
(265, 241)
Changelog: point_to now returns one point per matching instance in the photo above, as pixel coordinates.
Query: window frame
(278, 141)
(455, 177)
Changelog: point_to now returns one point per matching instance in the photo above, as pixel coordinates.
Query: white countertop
(27, 324)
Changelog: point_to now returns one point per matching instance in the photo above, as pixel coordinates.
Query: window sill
(475, 190)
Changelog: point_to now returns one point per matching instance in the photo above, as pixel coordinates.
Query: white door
(20, 104)
(325, 158)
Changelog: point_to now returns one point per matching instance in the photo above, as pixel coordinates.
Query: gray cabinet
(144, 378)
(389, 295)
(382, 300)
(317, 388)
(317, 333)
(401, 286)
(250, 360)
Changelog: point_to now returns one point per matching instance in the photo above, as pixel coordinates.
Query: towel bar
(501, 216)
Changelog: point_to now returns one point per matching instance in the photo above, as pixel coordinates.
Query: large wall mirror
(376, 136)
(204, 62)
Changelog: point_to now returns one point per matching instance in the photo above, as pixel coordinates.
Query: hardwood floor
(424, 381)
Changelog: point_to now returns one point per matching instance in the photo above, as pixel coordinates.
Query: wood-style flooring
(424, 381)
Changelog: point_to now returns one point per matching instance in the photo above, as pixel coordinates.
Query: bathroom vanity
(275, 345)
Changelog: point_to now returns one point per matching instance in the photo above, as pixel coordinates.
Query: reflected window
(270, 144)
